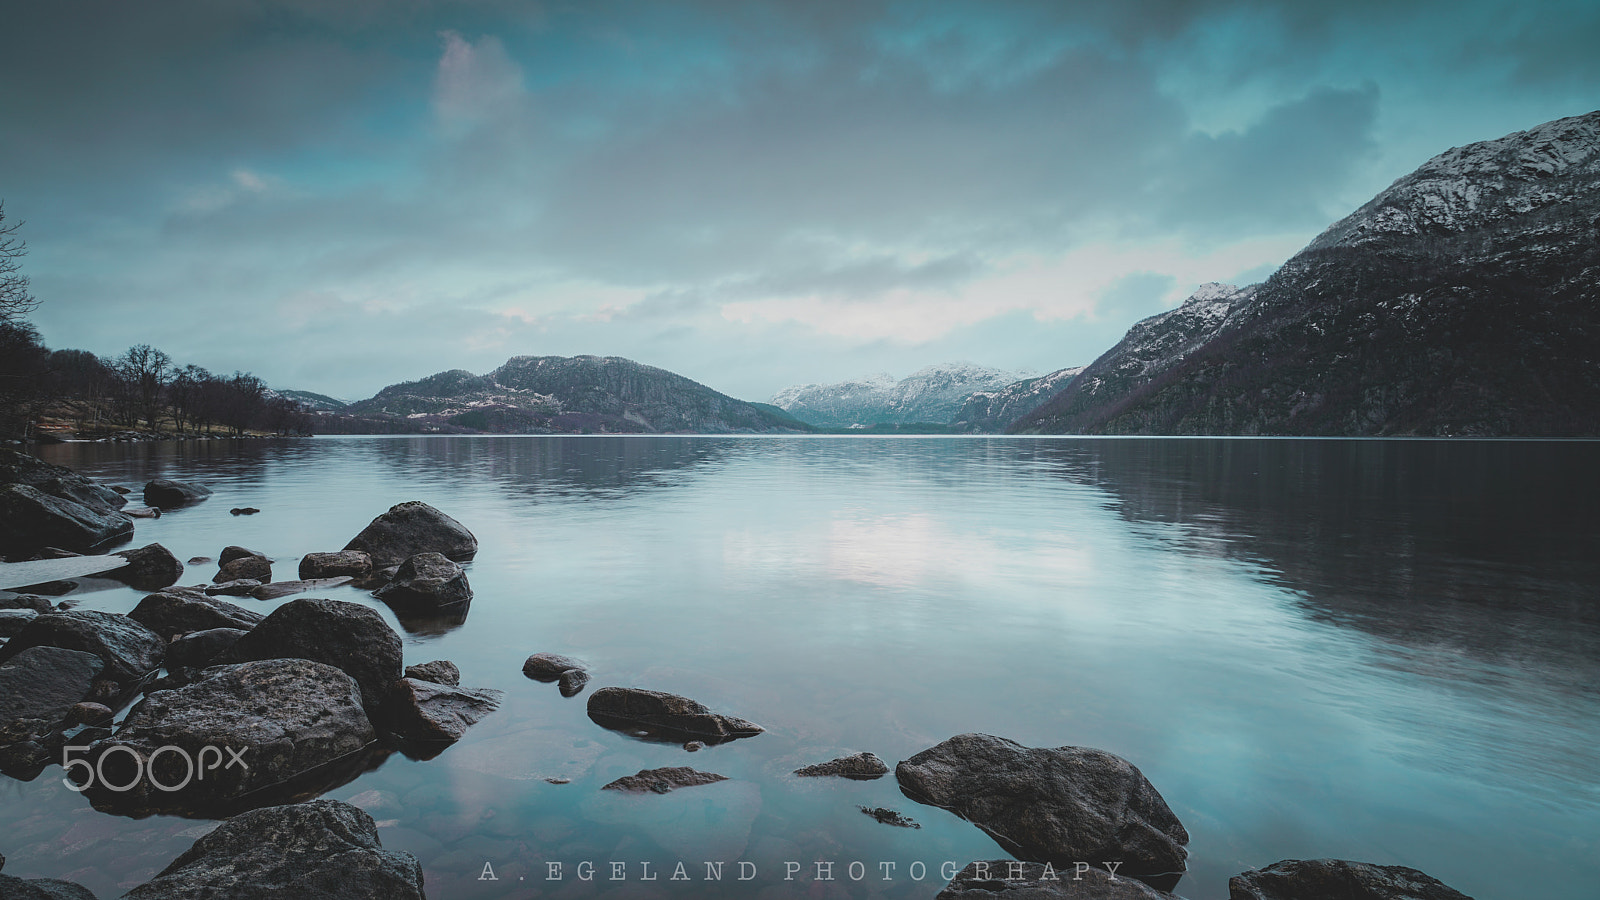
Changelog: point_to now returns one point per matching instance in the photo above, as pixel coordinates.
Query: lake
(1381, 650)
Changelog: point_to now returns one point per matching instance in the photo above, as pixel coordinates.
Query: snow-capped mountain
(1463, 299)
(934, 394)
(992, 411)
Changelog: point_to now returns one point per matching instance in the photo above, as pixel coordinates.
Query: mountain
(992, 411)
(314, 401)
(934, 394)
(563, 395)
(1462, 300)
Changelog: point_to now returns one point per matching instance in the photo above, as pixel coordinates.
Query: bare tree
(15, 300)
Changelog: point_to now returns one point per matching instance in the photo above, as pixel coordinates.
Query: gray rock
(667, 716)
(243, 587)
(1316, 879)
(425, 583)
(255, 567)
(283, 717)
(87, 713)
(169, 613)
(45, 683)
(348, 636)
(166, 493)
(440, 671)
(572, 682)
(57, 481)
(12, 621)
(411, 528)
(128, 649)
(287, 588)
(149, 568)
(1011, 879)
(199, 649)
(860, 766)
(30, 518)
(426, 712)
(549, 666)
(888, 816)
(233, 552)
(42, 889)
(663, 780)
(324, 848)
(1055, 805)
(26, 601)
(354, 563)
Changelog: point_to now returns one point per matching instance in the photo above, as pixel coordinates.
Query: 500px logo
(195, 766)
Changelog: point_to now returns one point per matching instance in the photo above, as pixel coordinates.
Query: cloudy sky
(338, 196)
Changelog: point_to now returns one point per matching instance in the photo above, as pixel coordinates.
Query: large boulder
(428, 713)
(1010, 879)
(149, 568)
(411, 528)
(57, 481)
(324, 848)
(665, 716)
(171, 613)
(348, 636)
(353, 563)
(427, 582)
(1315, 879)
(240, 729)
(166, 493)
(129, 650)
(45, 682)
(30, 519)
(1059, 805)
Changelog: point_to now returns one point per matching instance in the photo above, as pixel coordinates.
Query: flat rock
(42, 889)
(860, 766)
(1057, 805)
(353, 563)
(427, 582)
(150, 568)
(242, 587)
(128, 649)
(324, 848)
(45, 683)
(1011, 879)
(288, 588)
(166, 493)
(663, 780)
(549, 666)
(30, 518)
(411, 528)
(666, 716)
(284, 717)
(1316, 879)
(169, 614)
(255, 567)
(440, 671)
(426, 712)
(348, 636)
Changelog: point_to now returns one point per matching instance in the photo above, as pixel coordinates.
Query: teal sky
(753, 194)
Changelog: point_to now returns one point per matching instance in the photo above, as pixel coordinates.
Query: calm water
(1376, 650)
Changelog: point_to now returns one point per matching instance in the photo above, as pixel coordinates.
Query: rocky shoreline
(251, 718)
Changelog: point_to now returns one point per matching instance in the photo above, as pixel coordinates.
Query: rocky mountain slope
(1462, 300)
(562, 395)
(934, 394)
(991, 411)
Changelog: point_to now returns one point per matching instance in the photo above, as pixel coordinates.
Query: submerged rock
(1011, 879)
(667, 716)
(663, 780)
(353, 563)
(411, 528)
(425, 712)
(860, 766)
(279, 589)
(440, 671)
(1314, 879)
(348, 636)
(572, 682)
(888, 816)
(243, 587)
(427, 582)
(324, 848)
(166, 493)
(238, 730)
(1058, 805)
(149, 568)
